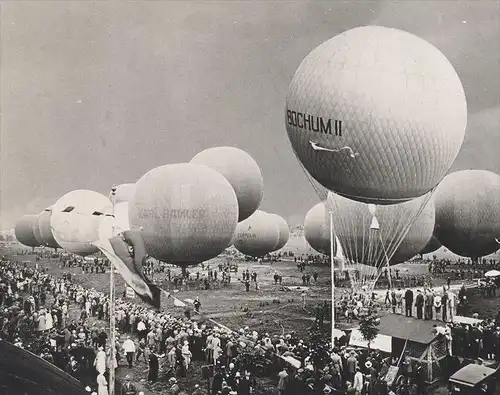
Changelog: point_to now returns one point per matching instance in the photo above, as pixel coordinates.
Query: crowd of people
(35, 315)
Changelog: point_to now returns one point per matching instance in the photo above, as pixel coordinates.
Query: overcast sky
(97, 93)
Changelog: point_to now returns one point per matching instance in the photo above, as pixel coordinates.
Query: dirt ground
(269, 309)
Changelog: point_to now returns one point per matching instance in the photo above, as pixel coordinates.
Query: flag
(126, 252)
(179, 303)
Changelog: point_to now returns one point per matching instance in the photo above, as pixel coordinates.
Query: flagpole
(112, 305)
(333, 278)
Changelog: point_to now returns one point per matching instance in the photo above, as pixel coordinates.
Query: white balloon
(75, 220)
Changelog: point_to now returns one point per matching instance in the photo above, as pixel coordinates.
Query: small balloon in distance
(242, 172)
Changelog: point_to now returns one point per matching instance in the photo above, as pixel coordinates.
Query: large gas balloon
(432, 245)
(188, 213)
(48, 239)
(419, 234)
(242, 172)
(468, 212)
(75, 220)
(257, 235)
(363, 143)
(124, 193)
(317, 229)
(284, 231)
(24, 231)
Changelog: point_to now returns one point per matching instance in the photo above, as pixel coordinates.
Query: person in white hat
(100, 360)
(198, 390)
(102, 385)
(174, 387)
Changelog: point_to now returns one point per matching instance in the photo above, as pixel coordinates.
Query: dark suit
(409, 302)
(419, 303)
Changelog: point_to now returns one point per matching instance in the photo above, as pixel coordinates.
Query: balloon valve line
(348, 149)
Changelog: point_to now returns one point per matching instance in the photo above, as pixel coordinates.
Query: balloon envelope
(188, 213)
(359, 141)
(48, 239)
(24, 231)
(419, 234)
(317, 229)
(75, 220)
(468, 212)
(369, 242)
(110, 226)
(124, 192)
(257, 235)
(284, 231)
(242, 172)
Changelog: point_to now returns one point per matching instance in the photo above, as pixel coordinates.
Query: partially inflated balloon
(118, 222)
(363, 143)
(188, 213)
(257, 235)
(242, 172)
(124, 193)
(24, 231)
(419, 234)
(317, 229)
(75, 220)
(45, 229)
(370, 235)
(284, 231)
(468, 212)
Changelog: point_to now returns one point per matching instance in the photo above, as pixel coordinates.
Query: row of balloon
(187, 212)
(376, 117)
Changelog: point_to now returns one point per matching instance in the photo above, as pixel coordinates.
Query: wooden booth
(418, 339)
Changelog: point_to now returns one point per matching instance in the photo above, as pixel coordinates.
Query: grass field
(268, 310)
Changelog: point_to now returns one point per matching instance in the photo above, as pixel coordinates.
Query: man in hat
(128, 388)
(282, 380)
(419, 304)
(198, 390)
(351, 365)
(408, 302)
(245, 385)
(358, 382)
(197, 304)
(129, 349)
(174, 387)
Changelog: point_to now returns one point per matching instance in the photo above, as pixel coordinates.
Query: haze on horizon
(97, 93)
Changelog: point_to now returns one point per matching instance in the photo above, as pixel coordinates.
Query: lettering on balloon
(166, 213)
(247, 236)
(314, 123)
